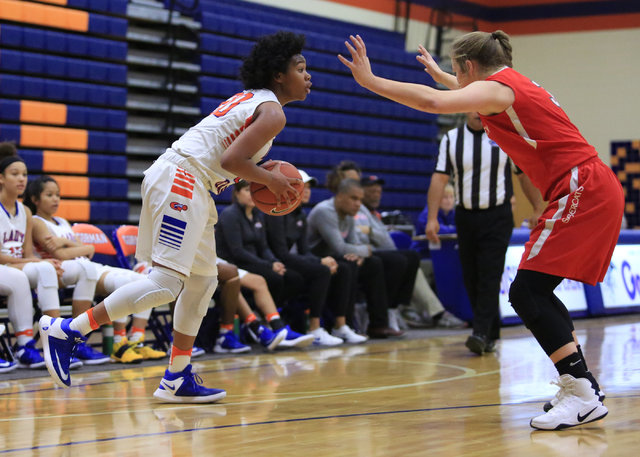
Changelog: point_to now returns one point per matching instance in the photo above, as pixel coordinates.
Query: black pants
(400, 268)
(371, 279)
(282, 287)
(343, 290)
(317, 279)
(483, 238)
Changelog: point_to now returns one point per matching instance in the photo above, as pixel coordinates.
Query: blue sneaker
(28, 356)
(6, 366)
(90, 356)
(186, 387)
(58, 343)
(295, 339)
(266, 337)
(228, 343)
(196, 352)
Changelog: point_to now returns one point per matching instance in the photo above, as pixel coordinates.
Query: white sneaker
(348, 335)
(577, 404)
(322, 338)
(394, 319)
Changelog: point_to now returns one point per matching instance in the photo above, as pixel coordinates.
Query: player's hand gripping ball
(265, 200)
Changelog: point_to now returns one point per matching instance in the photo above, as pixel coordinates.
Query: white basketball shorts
(177, 221)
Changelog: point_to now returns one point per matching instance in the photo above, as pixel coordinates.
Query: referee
(481, 172)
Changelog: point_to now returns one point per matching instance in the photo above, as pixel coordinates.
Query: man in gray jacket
(332, 232)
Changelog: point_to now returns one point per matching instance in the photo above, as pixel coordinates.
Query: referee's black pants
(483, 238)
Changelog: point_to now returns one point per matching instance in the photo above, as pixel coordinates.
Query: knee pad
(193, 303)
(115, 279)
(523, 301)
(160, 287)
(43, 277)
(168, 284)
(41, 274)
(82, 273)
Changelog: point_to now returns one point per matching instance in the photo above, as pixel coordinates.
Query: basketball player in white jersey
(53, 237)
(16, 253)
(178, 214)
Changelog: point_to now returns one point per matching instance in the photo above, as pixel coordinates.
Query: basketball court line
(279, 421)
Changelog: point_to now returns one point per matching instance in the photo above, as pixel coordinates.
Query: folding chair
(125, 239)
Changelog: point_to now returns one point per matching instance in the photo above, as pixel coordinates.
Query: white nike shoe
(577, 404)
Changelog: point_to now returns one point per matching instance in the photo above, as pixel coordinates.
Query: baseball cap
(371, 180)
(306, 178)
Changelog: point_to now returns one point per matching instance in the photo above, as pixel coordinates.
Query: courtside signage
(621, 285)
(570, 292)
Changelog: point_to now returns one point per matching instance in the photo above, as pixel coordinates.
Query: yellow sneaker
(148, 353)
(123, 353)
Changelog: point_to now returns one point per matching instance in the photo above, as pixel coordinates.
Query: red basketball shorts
(578, 231)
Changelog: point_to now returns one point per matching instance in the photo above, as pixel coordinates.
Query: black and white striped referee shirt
(481, 170)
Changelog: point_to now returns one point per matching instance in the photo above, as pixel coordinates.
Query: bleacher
(93, 91)
(63, 78)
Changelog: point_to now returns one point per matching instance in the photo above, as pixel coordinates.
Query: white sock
(81, 324)
(179, 363)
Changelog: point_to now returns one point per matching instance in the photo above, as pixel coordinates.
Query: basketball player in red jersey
(578, 230)
(178, 214)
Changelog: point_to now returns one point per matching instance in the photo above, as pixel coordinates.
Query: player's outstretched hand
(359, 64)
(430, 65)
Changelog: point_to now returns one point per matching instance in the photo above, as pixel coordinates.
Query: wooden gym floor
(418, 396)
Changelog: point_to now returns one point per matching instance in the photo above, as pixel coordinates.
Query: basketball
(265, 200)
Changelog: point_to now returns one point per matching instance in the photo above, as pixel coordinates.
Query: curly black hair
(270, 56)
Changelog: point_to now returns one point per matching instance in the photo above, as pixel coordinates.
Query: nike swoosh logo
(64, 376)
(168, 386)
(582, 418)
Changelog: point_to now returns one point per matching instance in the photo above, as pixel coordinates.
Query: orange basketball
(265, 200)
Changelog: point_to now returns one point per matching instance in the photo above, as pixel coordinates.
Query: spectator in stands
(332, 232)
(446, 219)
(17, 252)
(178, 213)
(242, 240)
(330, 281)
(54, 238)
(401, 265)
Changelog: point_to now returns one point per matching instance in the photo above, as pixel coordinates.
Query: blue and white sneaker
(228, 343)
(267, 337)
(28, 356)
(90, 356)
(58, 343)
(196, 352)
(186, 387)
(295, 339)
(6, 366)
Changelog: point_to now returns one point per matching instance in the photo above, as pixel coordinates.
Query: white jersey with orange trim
(200, 149)
(13, 230)
(60, 228)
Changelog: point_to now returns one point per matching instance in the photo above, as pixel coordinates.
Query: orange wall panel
(73, 186)
(67, 162)
(74, 210)
(43, 112)
(50, 16)
(54, 137)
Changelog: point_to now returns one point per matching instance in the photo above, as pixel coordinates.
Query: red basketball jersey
(536, 133)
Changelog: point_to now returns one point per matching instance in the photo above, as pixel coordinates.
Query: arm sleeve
(267, 253)
(276, 235)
